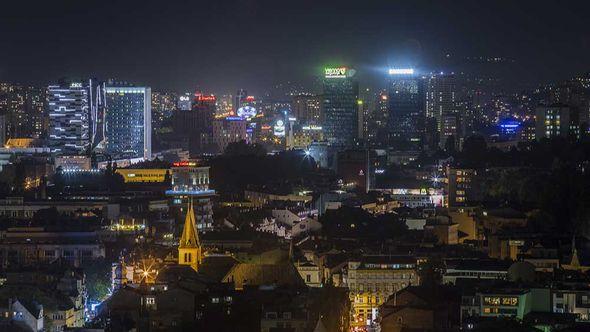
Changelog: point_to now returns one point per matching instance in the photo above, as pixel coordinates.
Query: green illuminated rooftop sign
(339, 72)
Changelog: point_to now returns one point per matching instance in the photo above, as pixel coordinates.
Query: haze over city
(224, 45)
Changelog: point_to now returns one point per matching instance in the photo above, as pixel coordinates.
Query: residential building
(557, 120)
(463, 186)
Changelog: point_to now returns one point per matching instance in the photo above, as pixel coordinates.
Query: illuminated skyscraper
(69, 107)
(127, 125)
(441, 106)
(340, 106)
(406, 114)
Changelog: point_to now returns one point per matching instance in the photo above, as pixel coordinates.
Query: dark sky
(222, 45)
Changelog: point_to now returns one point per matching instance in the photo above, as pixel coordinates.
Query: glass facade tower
(127, 122)
(406, 113)
(340, 106)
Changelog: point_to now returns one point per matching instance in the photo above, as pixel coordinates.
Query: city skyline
(249, 165)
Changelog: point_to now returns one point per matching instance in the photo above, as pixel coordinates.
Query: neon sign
(184, 163)
(335, 72)
(206, 98)
(247, 112)
(279, 128)
(401, 71)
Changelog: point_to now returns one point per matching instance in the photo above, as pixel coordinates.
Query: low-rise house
(310, 273)
(420, 308)
(25, 315)
(474, 269)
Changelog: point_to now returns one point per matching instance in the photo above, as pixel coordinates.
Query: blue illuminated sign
(191, 192)
(509, 126)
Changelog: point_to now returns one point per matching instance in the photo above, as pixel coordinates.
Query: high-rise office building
(25, 110)
(35, 109)
(184, 102)
(367, 104)
(406, 113)
(127, 125)
(163, 105)
(340, 106)
(307, 110)
(69, 107)
(228, 130)
(377, 122)
(441, 107)
(195, 125)
(204, 108)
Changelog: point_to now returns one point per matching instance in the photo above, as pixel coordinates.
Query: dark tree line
(244, 166)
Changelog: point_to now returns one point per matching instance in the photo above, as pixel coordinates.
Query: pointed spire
(320, 327)
(575, 260)
(190, 236)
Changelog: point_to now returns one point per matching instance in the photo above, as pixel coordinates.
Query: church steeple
(189, 247)
(575, 262)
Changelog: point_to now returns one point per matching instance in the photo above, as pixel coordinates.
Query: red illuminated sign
(201, 97)
(250, 98)
(184, 163)
(206, 98)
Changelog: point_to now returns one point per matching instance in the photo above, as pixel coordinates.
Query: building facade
(372, 279)
(406, 114)
(307, 110)
(340, 106)
(556, 120)
(191, 182)
(441, 106)
(127, 122)
(228, 130)
(69, 107)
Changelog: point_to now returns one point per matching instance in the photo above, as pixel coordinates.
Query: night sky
(222, 45)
